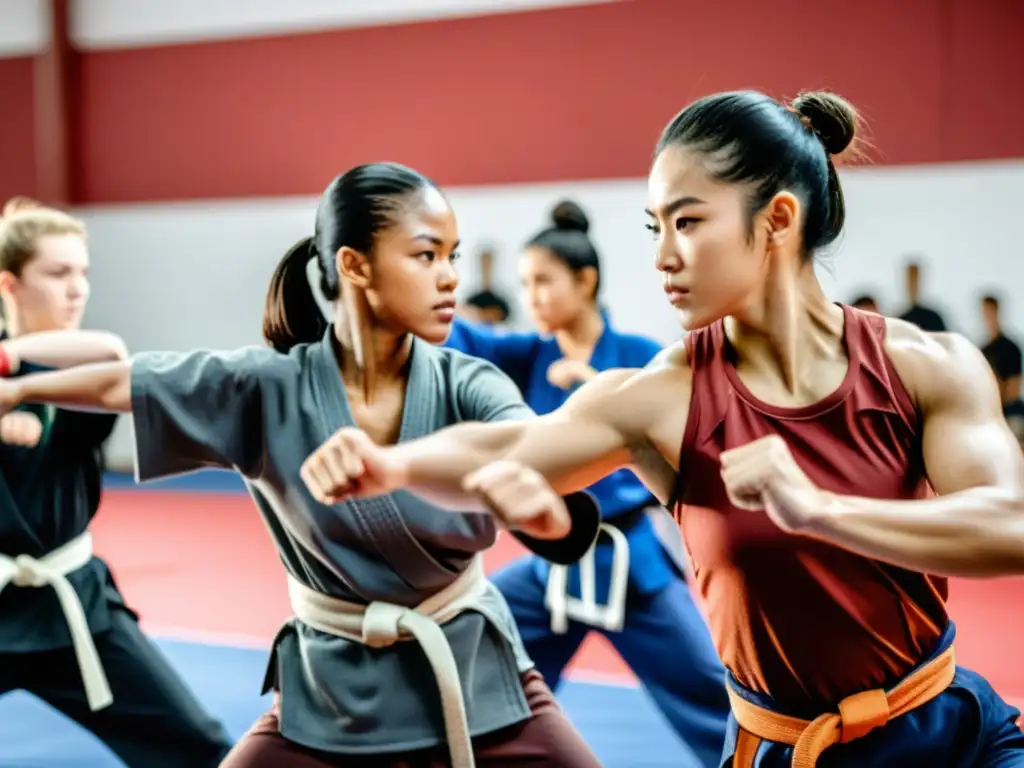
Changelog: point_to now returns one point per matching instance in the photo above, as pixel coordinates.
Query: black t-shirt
(924, 318)
(1004, 356)
(1014, 413)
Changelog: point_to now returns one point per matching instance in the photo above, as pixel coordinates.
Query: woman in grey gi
(401, 653)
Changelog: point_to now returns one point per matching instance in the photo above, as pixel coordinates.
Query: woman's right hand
(350, 465)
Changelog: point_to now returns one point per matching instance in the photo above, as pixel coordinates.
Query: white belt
(380, 624)
(51, 571)
(585, 608)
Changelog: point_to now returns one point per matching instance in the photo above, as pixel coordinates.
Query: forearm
(64, 349)
(977, 533)
(570, 454)
(434, 466)
(98, 387)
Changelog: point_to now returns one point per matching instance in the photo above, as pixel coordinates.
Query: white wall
(105, 24)
(180, 276)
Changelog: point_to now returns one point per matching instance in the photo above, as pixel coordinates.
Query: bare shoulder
(937, 368)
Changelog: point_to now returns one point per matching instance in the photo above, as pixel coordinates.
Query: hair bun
(569, 216)
(20, 203)
(832, 118)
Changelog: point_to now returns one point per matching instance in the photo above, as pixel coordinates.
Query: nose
(666, 256)
(447, 275)
(78, 288)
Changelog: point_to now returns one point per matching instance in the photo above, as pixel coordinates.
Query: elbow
(114, 394)
(990, 554)
(116, 349)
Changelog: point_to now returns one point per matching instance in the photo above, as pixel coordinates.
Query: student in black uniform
(867, 303)
(1004, 355)
(486, 305)
(66, 634)
(925, 318)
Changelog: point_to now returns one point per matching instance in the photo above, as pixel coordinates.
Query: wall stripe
(567, 93)
(98, 24)
(104, 24)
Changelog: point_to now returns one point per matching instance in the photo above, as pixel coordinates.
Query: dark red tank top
(802, 621)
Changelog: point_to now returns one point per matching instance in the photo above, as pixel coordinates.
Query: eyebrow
(436, 241)
(675, 205)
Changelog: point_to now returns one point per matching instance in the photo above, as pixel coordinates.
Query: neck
(788, 326)
(580, 336)
(372, 357)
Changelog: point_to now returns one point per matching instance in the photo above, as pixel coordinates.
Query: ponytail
(291, 315)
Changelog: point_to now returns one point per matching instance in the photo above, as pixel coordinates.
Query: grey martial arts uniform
(262, 413)
(48, 496)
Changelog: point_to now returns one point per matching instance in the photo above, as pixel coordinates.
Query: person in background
(486, 305)
(866, 303)
(925, 318)
(631, 585)
(1004, 355)
(66, 634)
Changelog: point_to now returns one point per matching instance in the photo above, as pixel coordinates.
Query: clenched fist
(521, 499)
(764, 475)
(350, 465)
(20, 428)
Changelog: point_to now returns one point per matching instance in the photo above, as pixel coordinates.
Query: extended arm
(975, 527)
(191, 410)
(601, 428)
(98, 387)
(63, 349)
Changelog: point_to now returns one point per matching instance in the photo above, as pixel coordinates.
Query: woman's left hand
(764, 475)
(566, 373)
(21, 428)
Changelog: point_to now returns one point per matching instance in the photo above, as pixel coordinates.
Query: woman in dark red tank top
(822, 461)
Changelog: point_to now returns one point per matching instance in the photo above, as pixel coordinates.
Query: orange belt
(858, 715)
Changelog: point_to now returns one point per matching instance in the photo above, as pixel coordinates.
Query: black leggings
(154, 722)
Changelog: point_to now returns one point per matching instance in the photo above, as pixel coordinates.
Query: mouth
(445, 309)
(677, 296)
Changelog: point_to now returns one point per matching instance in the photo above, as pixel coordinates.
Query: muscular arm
(975, 527)
(615, 420)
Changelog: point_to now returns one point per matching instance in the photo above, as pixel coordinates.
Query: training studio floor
(193, 557)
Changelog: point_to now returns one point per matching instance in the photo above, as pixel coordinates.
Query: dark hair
(750, 138)
(866, 298)
(354, 209)
(567, 240)
(488, 299)
(991, 299)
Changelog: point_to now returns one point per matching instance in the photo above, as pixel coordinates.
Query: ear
(354, 267)
(7, 282)
(587, 279)
(782, 220)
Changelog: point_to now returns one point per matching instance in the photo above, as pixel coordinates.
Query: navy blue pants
(665, 641)
(968, 726)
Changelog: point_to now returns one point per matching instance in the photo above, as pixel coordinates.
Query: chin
(693, 319)
(435, 333)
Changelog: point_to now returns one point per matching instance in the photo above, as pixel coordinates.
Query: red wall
(17, 153)
(566, 93)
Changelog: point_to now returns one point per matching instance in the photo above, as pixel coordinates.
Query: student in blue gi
(631, 585)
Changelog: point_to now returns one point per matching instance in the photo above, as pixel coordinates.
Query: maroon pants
(546, 739)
